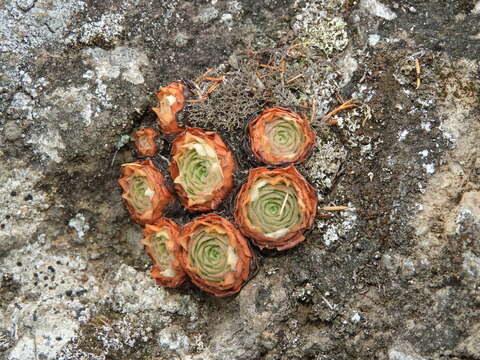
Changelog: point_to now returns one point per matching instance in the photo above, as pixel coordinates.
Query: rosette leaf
(171, 100)
(215, 255)
(280, 136)
(145, 141)
(144, 191)
(161, 244)
(202, 169)
(274, 207)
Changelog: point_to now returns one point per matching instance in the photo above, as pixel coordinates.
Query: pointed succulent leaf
(274, 207)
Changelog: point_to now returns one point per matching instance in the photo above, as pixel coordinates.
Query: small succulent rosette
(202, 169)
(215, 255)
(144, 191)
(280, 136)
(274, 207)
(161, 244)
(145, 141)
(171, 100)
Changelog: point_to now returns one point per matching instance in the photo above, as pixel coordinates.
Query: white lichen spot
(226, 17)
(471, 265)
(48, 143)
(373, 39)
(109, 64)
(376, 8)
(427, 126)
(402, 135)
(107, 28)
(134, 292)
(424, 153)
(333, 232)
(314, 26)
(80, 224)
(356, 318)
(174, 338)
(429, 168)
(401, 354)
(78, 103)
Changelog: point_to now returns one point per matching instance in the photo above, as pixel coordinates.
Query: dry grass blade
(294, 78)
(346, 105)
(417, 68)
(334, 208)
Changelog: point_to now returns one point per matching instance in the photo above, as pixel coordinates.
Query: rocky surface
(396, 276)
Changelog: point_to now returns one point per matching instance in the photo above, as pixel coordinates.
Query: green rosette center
(274, 209)
(285, 137)
(211, 255)
(140, 194)
(199, 171)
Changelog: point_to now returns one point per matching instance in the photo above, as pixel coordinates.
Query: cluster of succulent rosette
(273, 208)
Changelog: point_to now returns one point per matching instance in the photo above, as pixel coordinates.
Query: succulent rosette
(274, 207)
(280, 136)
(160, 241)
(144, 191)
(145, 141)
(171, 100)
(215, 255)
(202, 169)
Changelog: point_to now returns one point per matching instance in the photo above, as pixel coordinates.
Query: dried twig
(417, 68)
(294, 46)
(203, 76)
(271, 67)
(334, 208)
(218, 79)
(294, 78)
(346, 105)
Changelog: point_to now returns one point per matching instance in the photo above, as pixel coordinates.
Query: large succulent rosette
(274, 207)
(215, 255)
(280, 136)
(160, 240)
(202, 169)
(144, 191)
(145, 141)
(171, 100)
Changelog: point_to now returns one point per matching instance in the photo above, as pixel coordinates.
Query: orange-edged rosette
(161, 244)
(215, 255)
(202, 169)
(144, 191)
(274, 207)
(171, 100)
(145, 141)
(280, 136)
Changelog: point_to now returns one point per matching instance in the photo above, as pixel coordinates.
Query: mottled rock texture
(396, 276)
